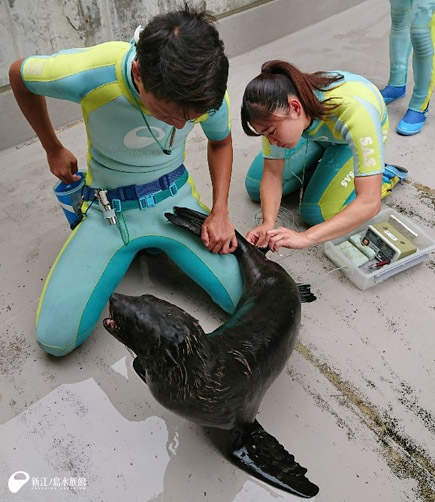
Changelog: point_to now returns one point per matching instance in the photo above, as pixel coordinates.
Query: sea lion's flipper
(139, 369)
(305, 293)
(186, 212)
(260, 454)
(187, 218)
(192, 220)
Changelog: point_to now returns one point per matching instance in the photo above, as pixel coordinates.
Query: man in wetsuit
(139, 101)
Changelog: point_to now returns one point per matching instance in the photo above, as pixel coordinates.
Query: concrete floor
(355, 404)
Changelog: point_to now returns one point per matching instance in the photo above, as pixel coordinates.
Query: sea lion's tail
(260, 454)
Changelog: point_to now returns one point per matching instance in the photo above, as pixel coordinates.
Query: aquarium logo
(17, 481)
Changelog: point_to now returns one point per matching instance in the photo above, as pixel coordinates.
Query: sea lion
(219, 379)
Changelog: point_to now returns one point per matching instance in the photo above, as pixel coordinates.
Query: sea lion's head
(165, 338)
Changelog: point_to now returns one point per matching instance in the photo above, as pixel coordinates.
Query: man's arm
(217, 231)
(62, 162)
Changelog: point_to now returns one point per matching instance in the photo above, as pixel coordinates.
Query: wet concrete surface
(355, 404)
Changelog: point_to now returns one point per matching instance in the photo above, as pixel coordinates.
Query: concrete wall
(46, 26)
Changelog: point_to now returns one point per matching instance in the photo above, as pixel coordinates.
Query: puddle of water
(253, 491)
(121, 367)
(75, 432)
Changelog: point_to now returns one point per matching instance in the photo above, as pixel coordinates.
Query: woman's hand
(258, 235)
(284, 237)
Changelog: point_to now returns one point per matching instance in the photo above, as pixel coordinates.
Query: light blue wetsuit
(349, 143)
(413, 26)
(121, 152)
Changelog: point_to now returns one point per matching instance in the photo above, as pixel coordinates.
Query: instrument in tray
(391, 240)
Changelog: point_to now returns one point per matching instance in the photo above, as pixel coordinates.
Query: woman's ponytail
(269, 92)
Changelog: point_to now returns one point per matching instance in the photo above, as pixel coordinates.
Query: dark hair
(269, 92)
(182, 60)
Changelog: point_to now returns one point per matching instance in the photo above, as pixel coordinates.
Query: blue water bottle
(70, 197)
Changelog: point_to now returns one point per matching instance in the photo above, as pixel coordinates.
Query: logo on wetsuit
(347, 179)
(369, 161)
(35, 67)
(136, 138)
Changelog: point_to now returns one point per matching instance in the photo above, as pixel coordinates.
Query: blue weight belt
(142, 196)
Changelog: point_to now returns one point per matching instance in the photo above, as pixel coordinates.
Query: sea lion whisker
(168, 355)
(188, 342)
(241, 359)
(203, 398)
(130, 351)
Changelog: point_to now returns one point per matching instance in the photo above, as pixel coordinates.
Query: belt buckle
(147, 201)
(116, 204)
(173, 189)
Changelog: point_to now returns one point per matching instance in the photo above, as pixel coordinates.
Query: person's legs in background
(422, 34)
(400, 48)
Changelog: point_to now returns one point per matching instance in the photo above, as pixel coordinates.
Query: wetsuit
(121, 152)
(348, 144)
(413, 26)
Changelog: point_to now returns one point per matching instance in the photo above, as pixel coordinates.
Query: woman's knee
(253, 189)
(314, 213)
(311, 213)
(253, 178)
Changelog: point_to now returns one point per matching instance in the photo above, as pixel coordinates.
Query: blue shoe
(390, 170)
(392, 92)
(391, 176)
(412, 122)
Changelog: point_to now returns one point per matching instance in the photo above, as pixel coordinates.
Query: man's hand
(218, 234)
(63, 164)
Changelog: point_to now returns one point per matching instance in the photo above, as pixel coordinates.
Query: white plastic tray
(362, 280)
